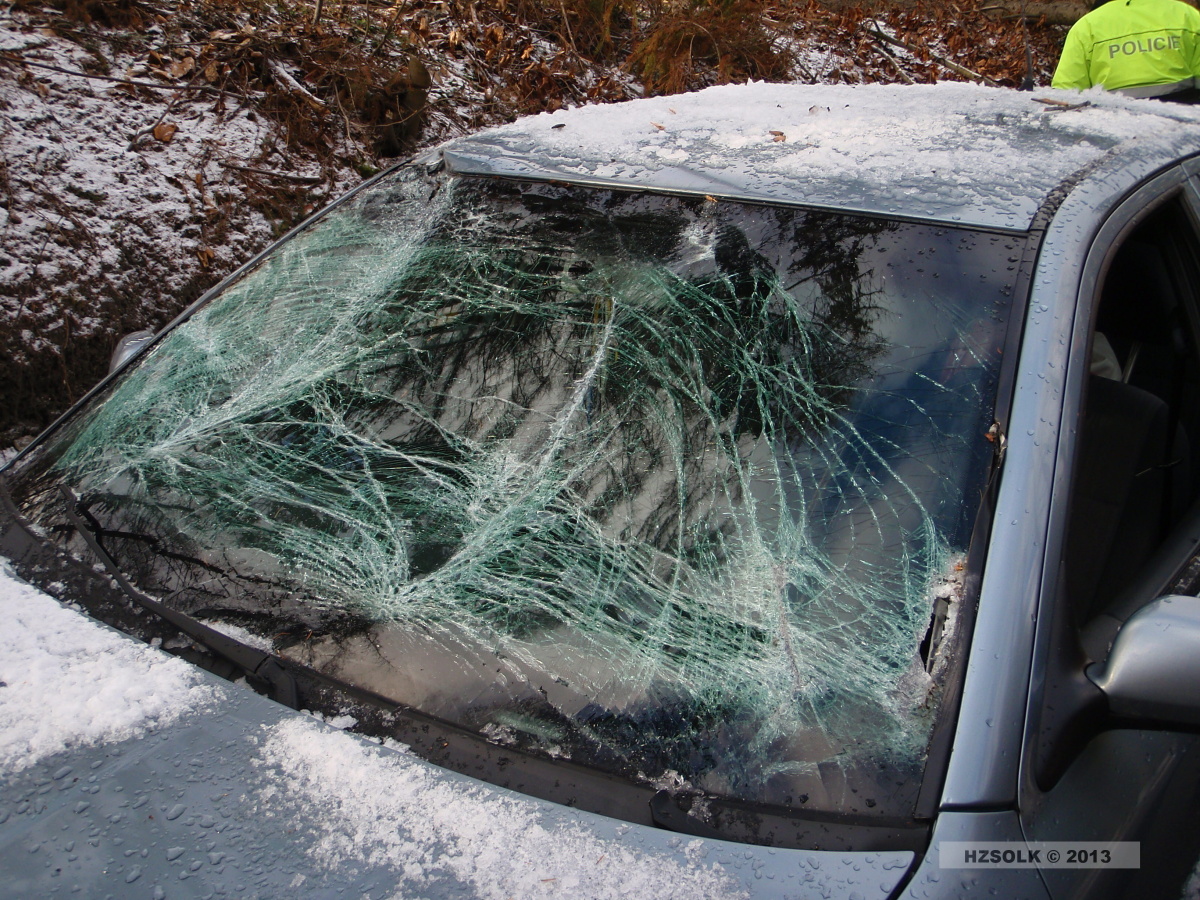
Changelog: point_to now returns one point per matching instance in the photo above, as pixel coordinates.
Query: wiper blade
(748, 822)
(261, 668)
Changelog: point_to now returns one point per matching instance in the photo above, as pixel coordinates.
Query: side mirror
(1153, 670)
(128, 347)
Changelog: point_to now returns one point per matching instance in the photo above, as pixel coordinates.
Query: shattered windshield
(665, 486)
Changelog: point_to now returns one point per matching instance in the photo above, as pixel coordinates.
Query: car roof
(951, 152)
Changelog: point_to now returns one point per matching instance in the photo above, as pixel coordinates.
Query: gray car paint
(1159, 639)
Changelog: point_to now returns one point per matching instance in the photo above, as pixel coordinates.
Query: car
(786, 490)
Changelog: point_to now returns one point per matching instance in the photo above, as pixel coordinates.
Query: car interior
(1138, 470)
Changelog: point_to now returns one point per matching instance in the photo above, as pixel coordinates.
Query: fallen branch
(1060, 106)
(138, 135)
(286, 176)
(940, 60)
(206, 88)
(296, 87)
(895, 64)
(387, 32)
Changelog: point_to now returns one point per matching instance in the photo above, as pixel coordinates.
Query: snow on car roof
(951, 152)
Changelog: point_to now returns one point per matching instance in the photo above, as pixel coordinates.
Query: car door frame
(1088, 799)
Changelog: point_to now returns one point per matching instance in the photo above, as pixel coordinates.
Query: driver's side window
(1133, 524)
(1138, 465)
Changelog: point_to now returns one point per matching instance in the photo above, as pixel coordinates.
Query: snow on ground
(66, 681)
(119, 205)
(131, 203)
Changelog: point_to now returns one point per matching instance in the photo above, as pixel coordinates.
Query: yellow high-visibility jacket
(1145, 48)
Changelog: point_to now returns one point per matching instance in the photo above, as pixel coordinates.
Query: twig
(337, 95)
(387, 32)
(286, 176)
(567, 25)
(1061, 106)
(940, 60)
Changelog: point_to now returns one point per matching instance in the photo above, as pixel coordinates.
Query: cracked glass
(676, 488)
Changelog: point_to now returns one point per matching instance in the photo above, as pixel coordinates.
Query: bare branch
(940, 60)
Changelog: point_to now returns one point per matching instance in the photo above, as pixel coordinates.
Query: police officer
(1143, 48)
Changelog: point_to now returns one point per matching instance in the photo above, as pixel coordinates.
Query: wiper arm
(259, 666)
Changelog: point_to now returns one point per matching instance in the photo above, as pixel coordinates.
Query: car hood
(122, 766)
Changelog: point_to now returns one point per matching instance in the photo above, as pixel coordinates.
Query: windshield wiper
(263, 670)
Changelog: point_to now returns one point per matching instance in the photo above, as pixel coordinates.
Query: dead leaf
(164, 131)
(205, 255)
(182, 67)
(200, 180)
(778, 136)
(223, 35)
(659, 127)
(212, 71)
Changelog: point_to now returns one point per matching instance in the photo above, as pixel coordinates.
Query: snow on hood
(66, 681)
(327, 808)
(378, 808)
(954, 152)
